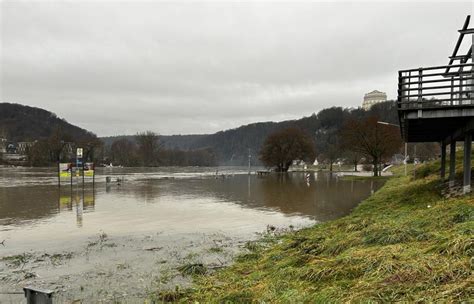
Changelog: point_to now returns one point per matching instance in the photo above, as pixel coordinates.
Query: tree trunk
(355, 166)
(376, 168)
(330, 166)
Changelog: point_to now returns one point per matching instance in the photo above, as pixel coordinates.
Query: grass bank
(405, 243)
(361, 178)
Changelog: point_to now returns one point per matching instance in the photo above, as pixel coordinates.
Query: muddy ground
(106, 269)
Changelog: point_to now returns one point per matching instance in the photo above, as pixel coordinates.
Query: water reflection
(79, 199)
(319, 195)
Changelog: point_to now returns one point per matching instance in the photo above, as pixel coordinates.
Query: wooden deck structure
(436, 104)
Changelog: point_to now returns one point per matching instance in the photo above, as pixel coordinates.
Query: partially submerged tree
(148, 148)
(328, 146)
(352, 157)
(371, 139)
(92, 147)
(56, 142)
(283, 146)
(123, 152)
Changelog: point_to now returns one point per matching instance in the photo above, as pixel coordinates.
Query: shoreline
(395, 246)
(111, 264)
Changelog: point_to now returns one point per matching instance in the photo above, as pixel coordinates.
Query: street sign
(79, 152)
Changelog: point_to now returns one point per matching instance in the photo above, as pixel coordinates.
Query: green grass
(361, 178)
(405, 243)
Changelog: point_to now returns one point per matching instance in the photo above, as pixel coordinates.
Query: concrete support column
(443, 161)
(467, 163)
(452, 162)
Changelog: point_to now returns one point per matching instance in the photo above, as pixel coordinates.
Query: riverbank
(407, 242)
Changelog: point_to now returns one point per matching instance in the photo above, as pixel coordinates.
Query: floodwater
(143, 209)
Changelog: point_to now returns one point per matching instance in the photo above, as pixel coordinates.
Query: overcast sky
(198, 67)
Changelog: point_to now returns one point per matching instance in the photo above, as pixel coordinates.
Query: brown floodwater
(35, 212)
(117, 241)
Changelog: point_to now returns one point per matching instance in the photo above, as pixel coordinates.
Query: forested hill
(232, 146)
(180, 142)
(25, 123)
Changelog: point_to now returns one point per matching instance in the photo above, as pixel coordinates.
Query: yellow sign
(65, 170)
(89, 169)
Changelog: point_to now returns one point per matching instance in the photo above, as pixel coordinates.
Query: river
(105, 241)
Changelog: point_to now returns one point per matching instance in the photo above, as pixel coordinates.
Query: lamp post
(406, 144)
(62, 144)
(250, 156)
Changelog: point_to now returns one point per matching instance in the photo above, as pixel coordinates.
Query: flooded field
(118, 240)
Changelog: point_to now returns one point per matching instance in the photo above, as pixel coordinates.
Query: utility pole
(250, 156)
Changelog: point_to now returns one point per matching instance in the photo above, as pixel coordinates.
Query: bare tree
(353, 157)
(371, 139)
(91, 146)
(284, 146)
(123, 152)
(330, 147)
(56, 143)
(148, 148)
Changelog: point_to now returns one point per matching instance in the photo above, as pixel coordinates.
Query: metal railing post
(420, 92)
(452, 90)
(460, 86)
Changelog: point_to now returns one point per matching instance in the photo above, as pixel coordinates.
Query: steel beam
(452, 162)
(467, 31)
(467, 163)
(458, 43)
(443, 161)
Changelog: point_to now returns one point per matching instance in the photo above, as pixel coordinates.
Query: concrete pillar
(467, 163)
(443, 161)
(452, 162)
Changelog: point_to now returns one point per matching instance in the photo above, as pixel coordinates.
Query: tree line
(356, 141)
(147, 150)
(231, 146)
(361, 140)
(56, 139)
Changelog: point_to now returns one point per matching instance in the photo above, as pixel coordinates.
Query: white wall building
(372, 98)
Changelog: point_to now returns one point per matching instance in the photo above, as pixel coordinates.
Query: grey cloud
(116, 67)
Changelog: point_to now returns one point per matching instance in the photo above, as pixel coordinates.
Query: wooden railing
(435, 87)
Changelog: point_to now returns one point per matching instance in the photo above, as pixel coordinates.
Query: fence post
(420, 92)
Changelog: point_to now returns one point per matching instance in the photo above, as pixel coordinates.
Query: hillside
(180, 142)
(25, 123)
(232, 146)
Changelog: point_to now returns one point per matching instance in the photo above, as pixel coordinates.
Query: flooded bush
(192, 269)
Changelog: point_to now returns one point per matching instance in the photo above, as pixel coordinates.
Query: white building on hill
(372, 98)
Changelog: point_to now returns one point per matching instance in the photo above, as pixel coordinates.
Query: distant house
(298, 162)
(23, 147)
(14, 152)
(372, 98)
